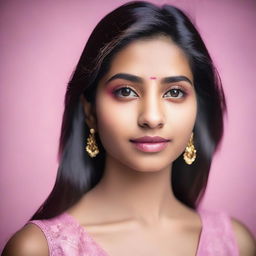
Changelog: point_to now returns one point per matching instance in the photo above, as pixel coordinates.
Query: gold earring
(91, 146)
(190, 152)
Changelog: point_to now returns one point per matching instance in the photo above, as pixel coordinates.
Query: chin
(140, 162)
(146, 165)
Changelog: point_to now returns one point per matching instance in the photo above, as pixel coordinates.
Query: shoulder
(30, 240)
(245, 240)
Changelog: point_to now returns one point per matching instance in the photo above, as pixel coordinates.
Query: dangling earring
(91, 146)
(190, 152)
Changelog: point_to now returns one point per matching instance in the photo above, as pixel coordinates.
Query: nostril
(152, 114)
(151, 125)
(144, 125)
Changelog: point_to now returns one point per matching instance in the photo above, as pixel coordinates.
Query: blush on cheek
(107, 114)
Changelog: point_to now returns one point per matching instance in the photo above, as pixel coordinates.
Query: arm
(245, 240)
(29, 241)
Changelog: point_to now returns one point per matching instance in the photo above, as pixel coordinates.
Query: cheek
(113, 115)
(113, 119)
(182, 116)
(185, 119)
(181, 122)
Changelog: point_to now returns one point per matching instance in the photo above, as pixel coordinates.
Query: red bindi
(152, 78)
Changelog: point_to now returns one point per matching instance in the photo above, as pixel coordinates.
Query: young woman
(143, 117)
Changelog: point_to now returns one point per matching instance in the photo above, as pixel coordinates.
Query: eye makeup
(176, 89)
(125, 92)
(175, 93)
(122, 91)
(178, 92)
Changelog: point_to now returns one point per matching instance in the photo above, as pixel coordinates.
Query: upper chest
(146, 242)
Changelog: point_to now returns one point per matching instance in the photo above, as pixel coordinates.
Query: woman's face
(148, 93)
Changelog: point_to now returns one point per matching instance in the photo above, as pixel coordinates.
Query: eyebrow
(137, 79)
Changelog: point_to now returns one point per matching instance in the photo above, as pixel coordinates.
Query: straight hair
(77, 172)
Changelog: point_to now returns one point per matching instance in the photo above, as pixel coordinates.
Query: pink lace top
(65, 236)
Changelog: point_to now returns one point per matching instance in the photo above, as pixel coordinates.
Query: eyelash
(180, 91)
(116, 91)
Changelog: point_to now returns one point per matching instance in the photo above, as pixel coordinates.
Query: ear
(89, 111)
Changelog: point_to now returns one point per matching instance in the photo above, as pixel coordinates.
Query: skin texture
(133, 205)
(135, 187)
(149, 113)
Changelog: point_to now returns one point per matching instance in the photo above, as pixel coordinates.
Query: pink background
(41, 42)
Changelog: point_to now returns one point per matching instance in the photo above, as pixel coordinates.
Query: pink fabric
(217, 236)
(65, 236)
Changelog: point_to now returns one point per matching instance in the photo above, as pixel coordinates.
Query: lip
(149, 139)
(150, 144)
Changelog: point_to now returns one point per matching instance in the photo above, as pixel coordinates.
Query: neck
(145, 196)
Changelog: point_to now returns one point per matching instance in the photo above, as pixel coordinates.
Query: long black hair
(77, 172)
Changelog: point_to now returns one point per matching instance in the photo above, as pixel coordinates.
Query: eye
(125, 92)
(174, 93)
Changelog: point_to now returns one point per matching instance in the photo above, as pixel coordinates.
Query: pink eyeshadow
(110, 90)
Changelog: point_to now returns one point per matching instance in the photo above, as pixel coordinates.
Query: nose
(151, 113)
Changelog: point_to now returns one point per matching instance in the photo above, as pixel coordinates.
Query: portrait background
(41, 42)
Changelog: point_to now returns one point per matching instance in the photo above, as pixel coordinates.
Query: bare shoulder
(246, 241)
(30, 240)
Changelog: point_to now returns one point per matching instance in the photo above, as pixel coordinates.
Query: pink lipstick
(150, 144)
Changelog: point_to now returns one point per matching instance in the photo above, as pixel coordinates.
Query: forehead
(154, 57)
